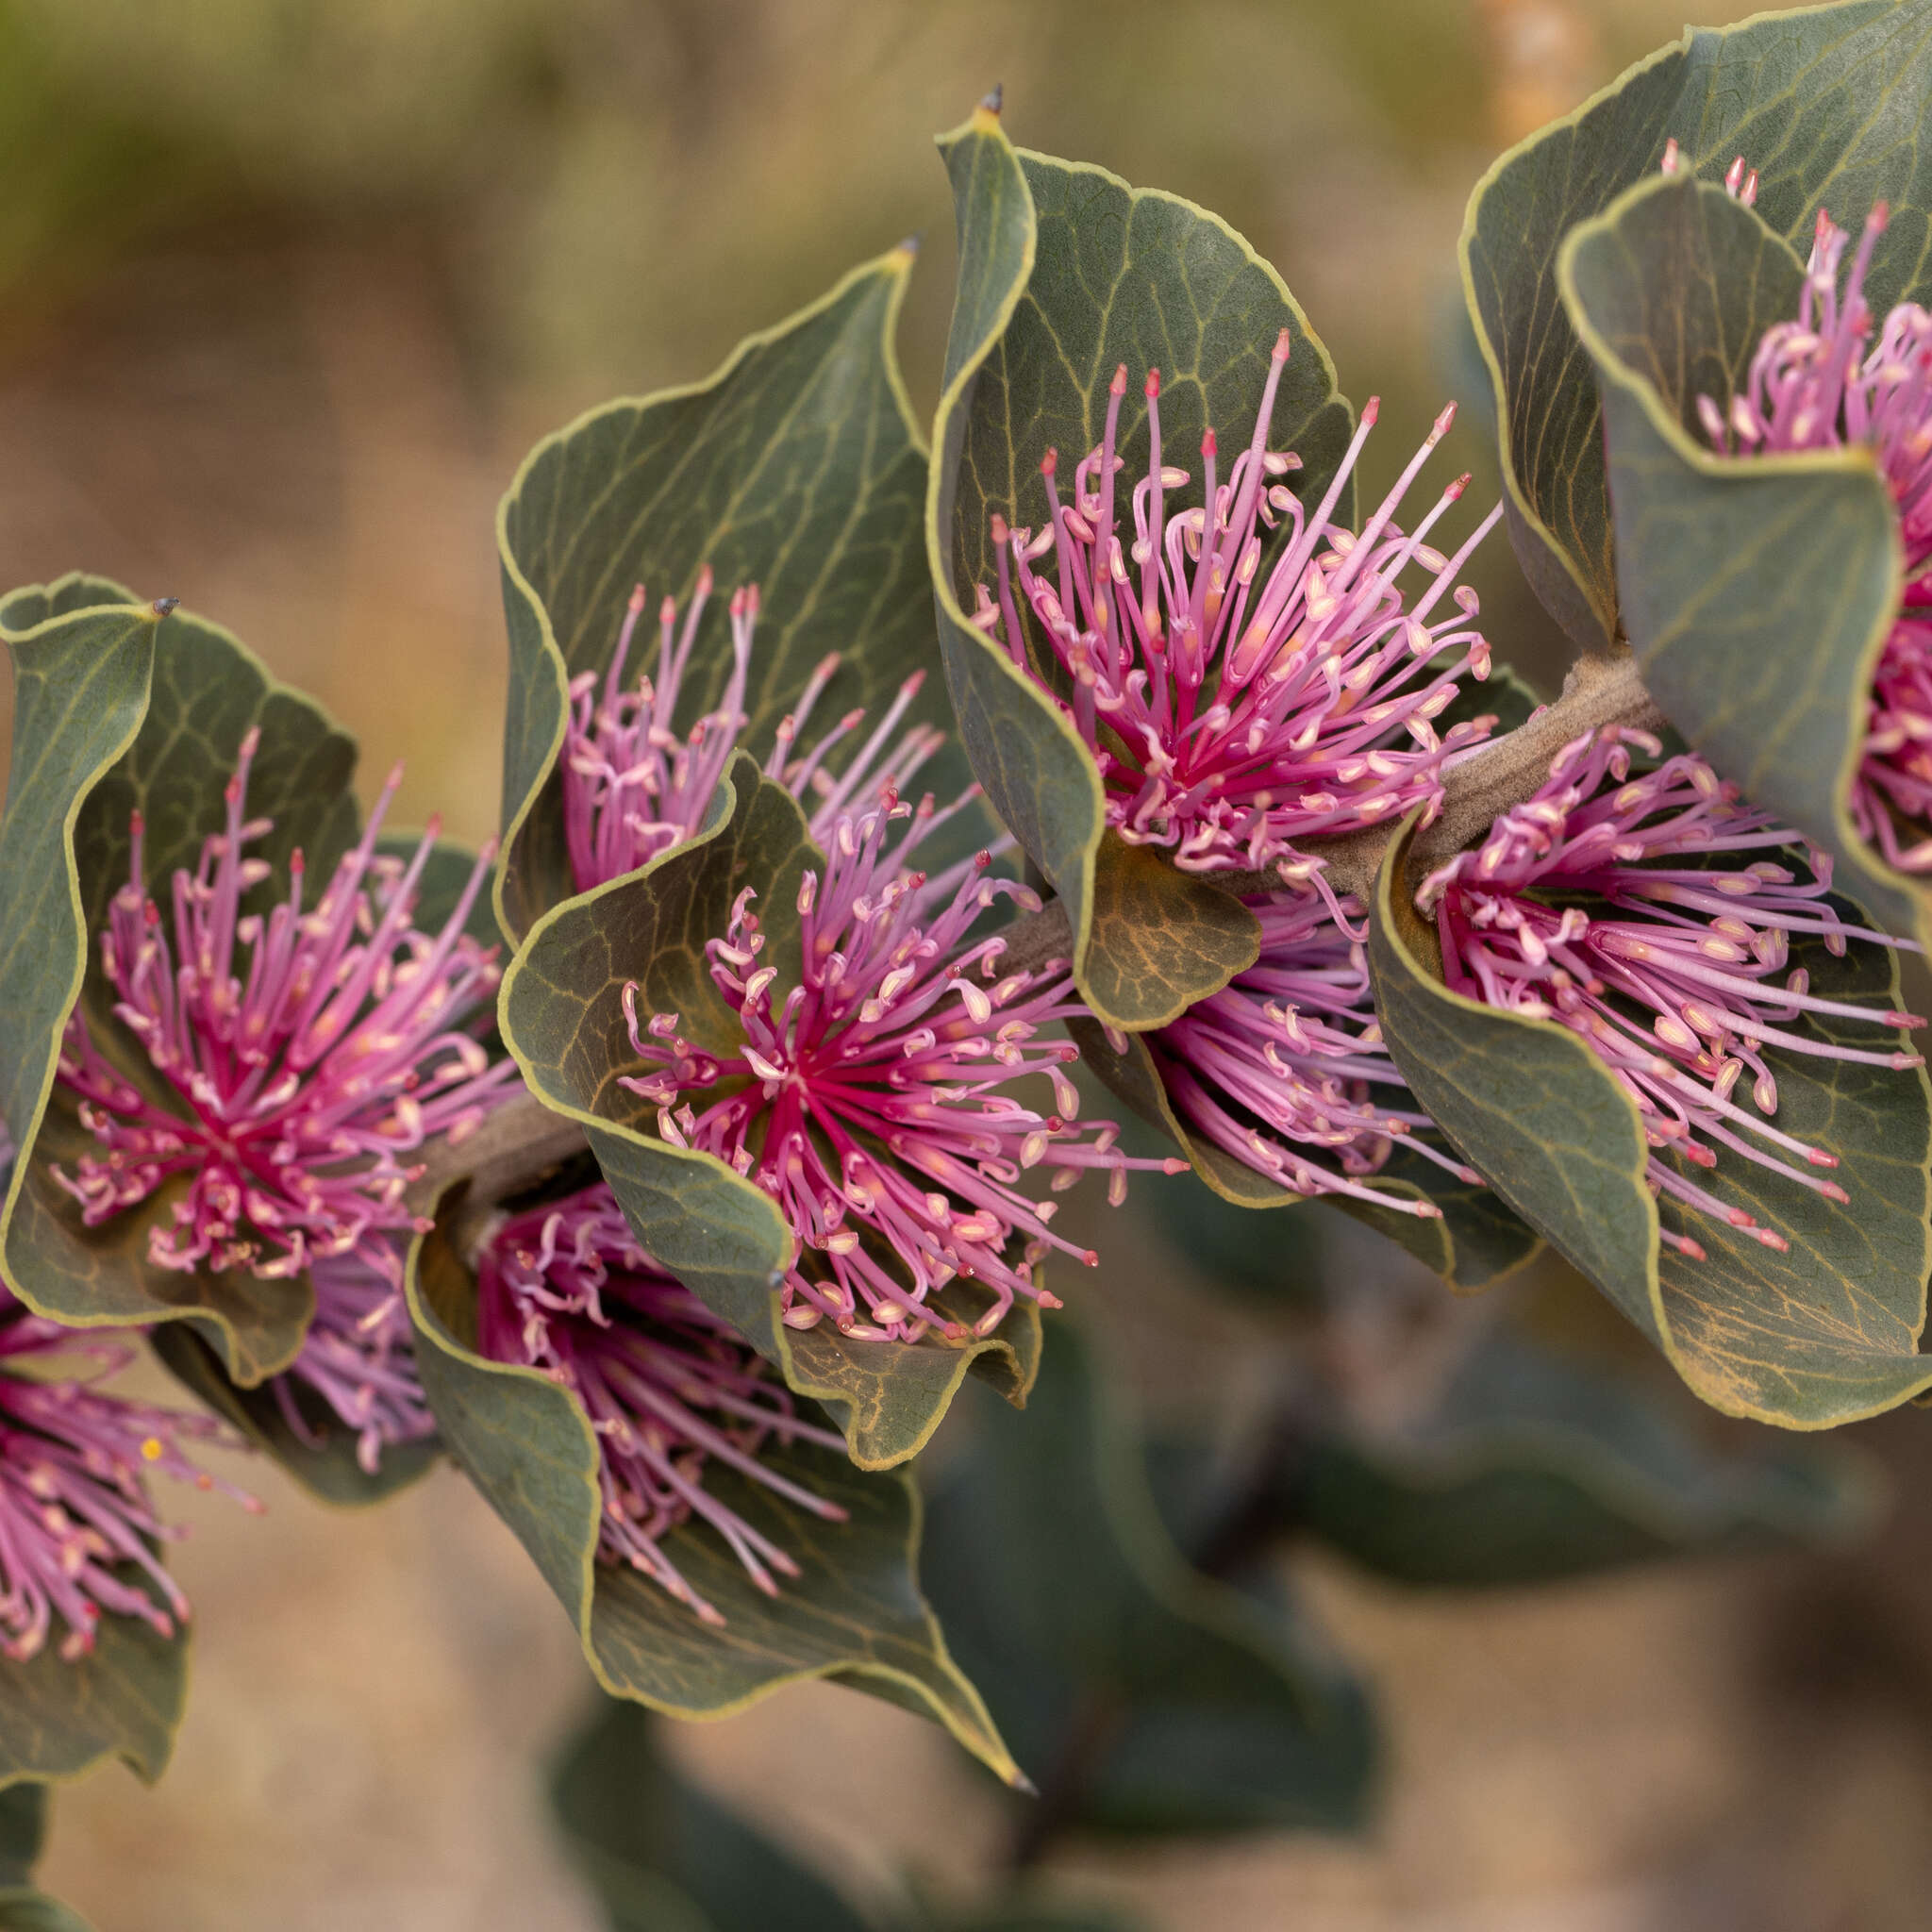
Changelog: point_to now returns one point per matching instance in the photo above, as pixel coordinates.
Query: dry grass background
(291, 285)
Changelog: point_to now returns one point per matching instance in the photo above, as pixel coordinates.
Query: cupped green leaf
(1187, 1704)
(1830, 103)
(663, 1855)
(124, 1699)
(1822, 1334)
(1536, 1466)
(122, 706)
(723, 1237)
(1476, 1241)
(797, 466)
(1065, 273)
(1757, 591)
(854, 1614)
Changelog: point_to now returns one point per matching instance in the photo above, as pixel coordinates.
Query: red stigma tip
(1692, 1250)
(1118, 387)
(1881, 214)
(1370, 409)
(135, 823)
(1823, 223)
(1281, 346)
(434, 828)
(667, 610)
(737, 602)
(1445, 419)
(297, 864)
(1049, 462)
(1208, 444)
(637, 599)
(704, 580)
(999, 528)
(1457, 487)
(751, 599)
(1153, 384)
(982, 860)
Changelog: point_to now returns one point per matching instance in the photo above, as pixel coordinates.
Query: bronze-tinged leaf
(123, 708)
(1172, 938)
(854, 1614)
(1822, 1334)
(1757, 591)
(1830, 103)
(797, 466)
(723, 1237)
(1065, 273)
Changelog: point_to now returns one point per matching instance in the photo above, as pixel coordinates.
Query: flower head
(1279, 1068)
(1820, 382)
(358, 1355)
(633, 786)
(865, 1091)
(310, 1052)
(667, 1386)
(1234, 713)
(1673, 973)
(75, 1514)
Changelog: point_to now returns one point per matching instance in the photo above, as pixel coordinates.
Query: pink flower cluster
(1651, 913)
(75, 1514)
(1822, 382)
(1234, 714)
(1280, 1069)
(667, 1386)
(310, 1052)
(867, 1095)
(633, 788)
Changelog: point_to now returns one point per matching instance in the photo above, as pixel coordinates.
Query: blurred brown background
(288, 287)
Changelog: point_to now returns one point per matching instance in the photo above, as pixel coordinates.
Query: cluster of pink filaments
(1279, 1068)
(74, 1508)
(1816, 384)
(866, 1097)
(1233, 714)
(311, 1051)
(667, 1386)
(633, 786)
(1680, 982)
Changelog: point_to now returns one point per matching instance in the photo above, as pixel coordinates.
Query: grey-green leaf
(124, 1699)
(1536, 1466)
(124, 709)
(1202, 1707)
(1758, 592)
(798, 466)
(664, 1855)
(854, 1613)
(1065, 273)
(719, 1234)
(1830, 103)
(1820, 1334)
(23, 1827)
